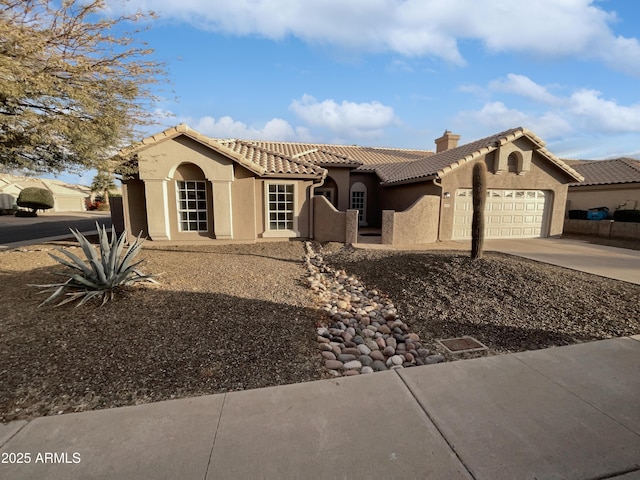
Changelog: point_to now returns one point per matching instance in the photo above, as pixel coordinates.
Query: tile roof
(440, 164)
(273, 163)
(385, 171)
(257, 159)
(393, 166)
(606, 172)
(347, 155)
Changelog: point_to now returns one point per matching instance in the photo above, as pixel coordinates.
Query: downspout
(435, 182)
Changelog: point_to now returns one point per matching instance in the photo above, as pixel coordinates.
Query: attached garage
(526, 186)
(508, 214)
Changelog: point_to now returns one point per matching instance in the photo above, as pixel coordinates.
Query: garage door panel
(508, 214)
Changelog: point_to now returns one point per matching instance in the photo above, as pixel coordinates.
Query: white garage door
(509, 214)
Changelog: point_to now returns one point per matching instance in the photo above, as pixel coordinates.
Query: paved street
(15, 229)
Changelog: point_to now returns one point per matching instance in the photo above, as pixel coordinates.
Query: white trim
(288, 233)
(197, 210)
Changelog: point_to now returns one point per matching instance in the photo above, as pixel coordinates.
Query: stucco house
(192, 187)
(614, 184)
(67, 198)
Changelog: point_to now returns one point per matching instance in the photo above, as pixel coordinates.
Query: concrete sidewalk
(569, 412)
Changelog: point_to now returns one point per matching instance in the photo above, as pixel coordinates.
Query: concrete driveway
(611, 262)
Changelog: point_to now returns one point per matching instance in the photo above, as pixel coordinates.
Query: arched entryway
(358, 201)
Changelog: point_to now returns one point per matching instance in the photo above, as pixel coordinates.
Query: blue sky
(398, 73)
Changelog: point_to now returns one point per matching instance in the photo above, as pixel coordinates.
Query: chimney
(447, 141)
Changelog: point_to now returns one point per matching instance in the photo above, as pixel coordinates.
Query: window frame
(285, 232)
(197, 210)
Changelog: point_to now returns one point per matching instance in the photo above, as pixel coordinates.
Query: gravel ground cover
(242, 316)
(223, 318)
(508, 303)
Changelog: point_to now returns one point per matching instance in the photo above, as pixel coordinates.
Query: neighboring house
(67, 198)
(191, 187)
(614, 184)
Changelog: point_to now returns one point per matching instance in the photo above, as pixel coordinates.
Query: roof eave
(410, 180)
(603, 184)
(560, 164)
(296, 176)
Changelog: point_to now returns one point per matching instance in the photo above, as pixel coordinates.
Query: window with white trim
(280, 206)
(192, 206)
(358, 201)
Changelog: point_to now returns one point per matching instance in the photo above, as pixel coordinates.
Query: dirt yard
(239, 317)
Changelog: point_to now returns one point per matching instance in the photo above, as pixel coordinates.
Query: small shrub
(97, 277)
(36, 199)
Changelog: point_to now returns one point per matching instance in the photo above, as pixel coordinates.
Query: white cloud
(227, 127)
(496, 116)
(583, 111)
(348, 119)
(555, 28)
(604, 115)
(524, 86)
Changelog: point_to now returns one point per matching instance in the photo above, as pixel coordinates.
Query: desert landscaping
(243, 316)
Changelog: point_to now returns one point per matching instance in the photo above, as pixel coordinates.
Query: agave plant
(97, 276)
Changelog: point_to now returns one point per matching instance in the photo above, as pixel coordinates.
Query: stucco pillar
(222, 213)
(388, 217)
(157, 209)
(351, 234)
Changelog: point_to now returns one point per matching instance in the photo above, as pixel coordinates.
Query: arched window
(358, 201)
(512, 162)
(191, 194)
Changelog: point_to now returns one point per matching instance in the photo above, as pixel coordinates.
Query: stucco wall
(159, 160)
(341, 177)
(416, 225)
(329, 225)
(611, 196)
(603, 228)
(117, 214)
(541, 176)
(134, 206)
(401, 197)
(243, 204)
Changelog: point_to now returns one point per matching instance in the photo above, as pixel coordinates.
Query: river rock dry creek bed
(234, 317)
